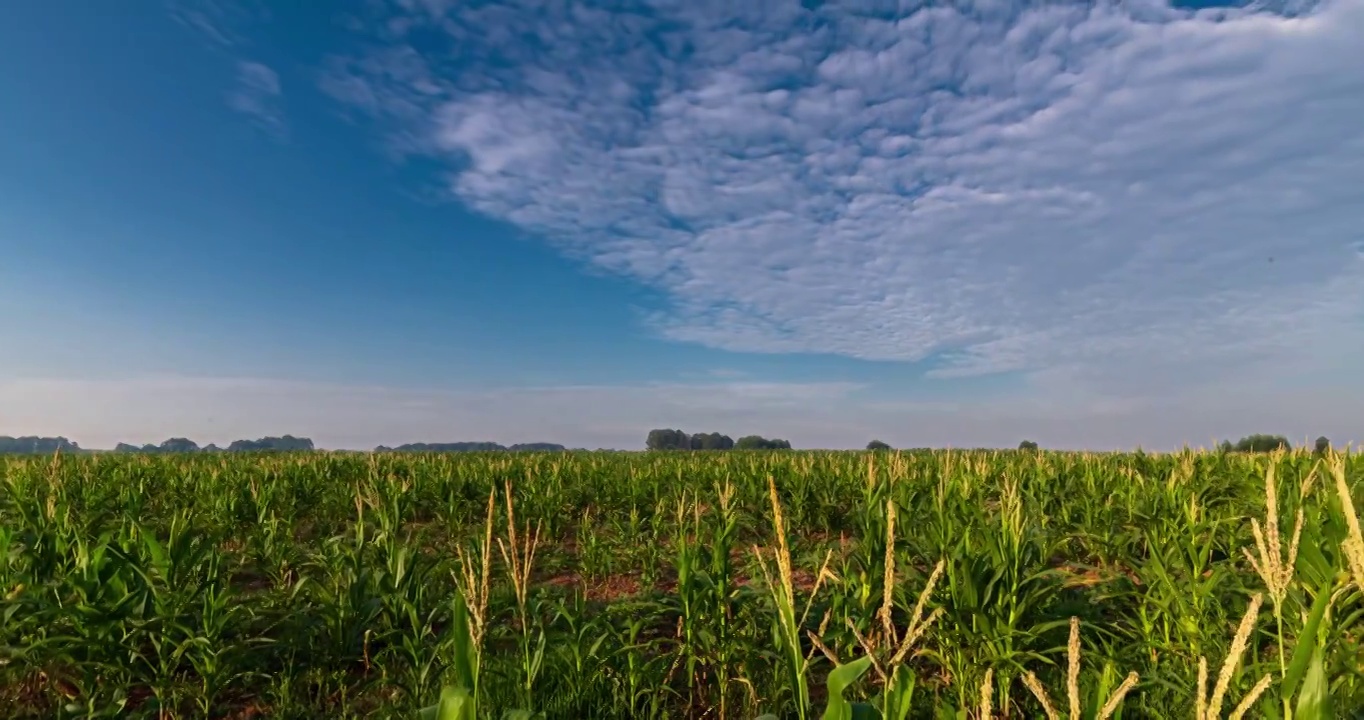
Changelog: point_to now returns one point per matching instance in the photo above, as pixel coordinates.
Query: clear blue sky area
(1095, 227)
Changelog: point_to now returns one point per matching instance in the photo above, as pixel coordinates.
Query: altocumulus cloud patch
(1088, 194)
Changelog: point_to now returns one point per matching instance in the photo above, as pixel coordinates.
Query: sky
(1091, 225)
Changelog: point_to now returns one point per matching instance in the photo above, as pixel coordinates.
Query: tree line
(1269, 443)
(32, 444)
(663, 439)
(288, 443)
(1259, 442)
(660, 439)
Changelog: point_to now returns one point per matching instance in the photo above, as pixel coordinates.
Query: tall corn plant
(705, 596)
(518, 555)
(470, 617)
(786, 623)
(468, 626)
(885, 649)
(1102, 705)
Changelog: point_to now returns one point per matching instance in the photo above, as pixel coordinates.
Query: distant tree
(1027, 445)
(667, 440)
(1323, 444)
(877, 445)
(179, 445)
(173, 445)
(537, 447)
(1261, 443)
(288, 443)
(711, 441)
(757, 442)
(39, 445)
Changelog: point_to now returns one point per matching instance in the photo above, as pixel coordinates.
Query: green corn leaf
(538, 656)
(466, 656)
(154, 548)
(455, 704)
(840, 680)
(1314, 700)
(899, 694)
(947, 711)
(1306, 647)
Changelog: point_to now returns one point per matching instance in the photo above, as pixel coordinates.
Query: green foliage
(173, 445)
(288, 443)
(711, 441)
(1261, 443)
(456, 703)
(668, 440)
(1028, 445)
(36, 445)
(678, 440)
(310, 585)
(757, 442)
(1322, 446)
(877, 445)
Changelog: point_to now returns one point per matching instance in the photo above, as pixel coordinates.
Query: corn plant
(937, 584)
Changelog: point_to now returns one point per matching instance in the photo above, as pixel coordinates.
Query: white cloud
(227, 26)
(219, 21)
(1119, 197)
(99, 414)
(258, 96)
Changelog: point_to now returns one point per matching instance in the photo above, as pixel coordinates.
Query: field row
(725, 585)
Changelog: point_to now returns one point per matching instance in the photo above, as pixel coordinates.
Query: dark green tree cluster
(1323, 444)
(41, 445)
(38, 445)
(663, 439)
(711, 441)
(288, 443)
(1257, 443)
(1028, 445)
(173, 445)
(878, 445)
(757, 442)
(667, 440)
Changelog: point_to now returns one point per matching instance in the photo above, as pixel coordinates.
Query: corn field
(690, 585)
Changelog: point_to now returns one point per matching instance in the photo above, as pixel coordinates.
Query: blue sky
(423, 220)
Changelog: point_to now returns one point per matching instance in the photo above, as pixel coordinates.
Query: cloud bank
(1127, 199)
